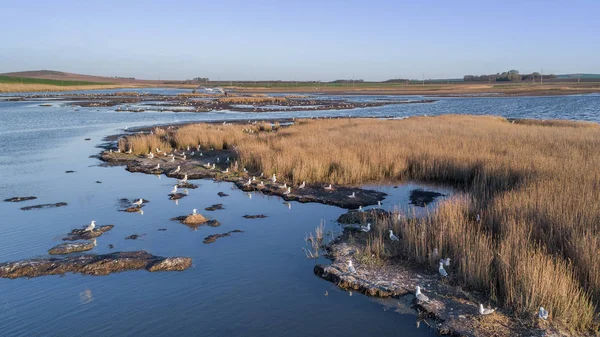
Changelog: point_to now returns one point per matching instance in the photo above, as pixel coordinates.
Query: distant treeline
(512, 75)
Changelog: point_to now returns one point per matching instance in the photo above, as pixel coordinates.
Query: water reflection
(86, 296)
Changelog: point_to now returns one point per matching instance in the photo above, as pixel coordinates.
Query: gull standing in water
(442, 271)
(420, 296)
(90, 227)
(138, 203)
(543, 313)
(393, 237)
(174, 190)
(484, 311)
(302, 185)
(351, 267)
(366, 228)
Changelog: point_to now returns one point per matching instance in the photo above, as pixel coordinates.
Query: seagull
(360, 209)
(302, 185)
(289, 190)
(420, 297)
(194, 211)
(151, 155)
(172, 159)
(90, 227)
(379, 204)
(366, 228)
(351, 267)
(118, 150)
(218, 160)
(188, 148)
(177, 169)
(483, 311)
(199, 148)
(214, 166)
(184, 157)
(201, 154)
(185, 191)
(226, 170)
(174, 190)
(157, 167)
(248, 183)
(353, 195)
(393, 237)
(207, 165)
(329, 187)
(442, 271)
(253, 178)
(130, 151)
(138, 203)
(478, 218)
(274, 179)
(227, 160)
(158, 150)
(261, 184)
(191, 154)
(543, 313)
(445, 262)
(283, 186)
(184, 180)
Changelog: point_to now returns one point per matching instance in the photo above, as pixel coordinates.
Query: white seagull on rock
(353, 195)
(420, 296)
(366, 228)
(351, 267)
(90, 227)
(484, 311)
(329, 188)
(174, 190)
(194, 211)
(442, 271)
(157, 167)
(177, 169)
(302, 185)
(138, 203)
(274, 179)
(289, 190)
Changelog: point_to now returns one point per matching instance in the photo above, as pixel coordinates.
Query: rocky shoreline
(195, 167)
(451, 310)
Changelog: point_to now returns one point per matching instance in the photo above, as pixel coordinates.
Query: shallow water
(254, 283)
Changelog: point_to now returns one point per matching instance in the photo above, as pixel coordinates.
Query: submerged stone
(71, 247)
(19, 199)
(215, 237)
(422, 198)
(255, 216)
(58, 204)
(214, 207)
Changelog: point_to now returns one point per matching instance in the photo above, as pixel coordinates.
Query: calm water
(254, 283)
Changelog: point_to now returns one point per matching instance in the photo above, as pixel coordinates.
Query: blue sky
(304, 40)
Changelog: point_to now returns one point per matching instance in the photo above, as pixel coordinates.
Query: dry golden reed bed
(536, 185)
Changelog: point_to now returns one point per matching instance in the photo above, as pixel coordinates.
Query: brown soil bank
(93, 264)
